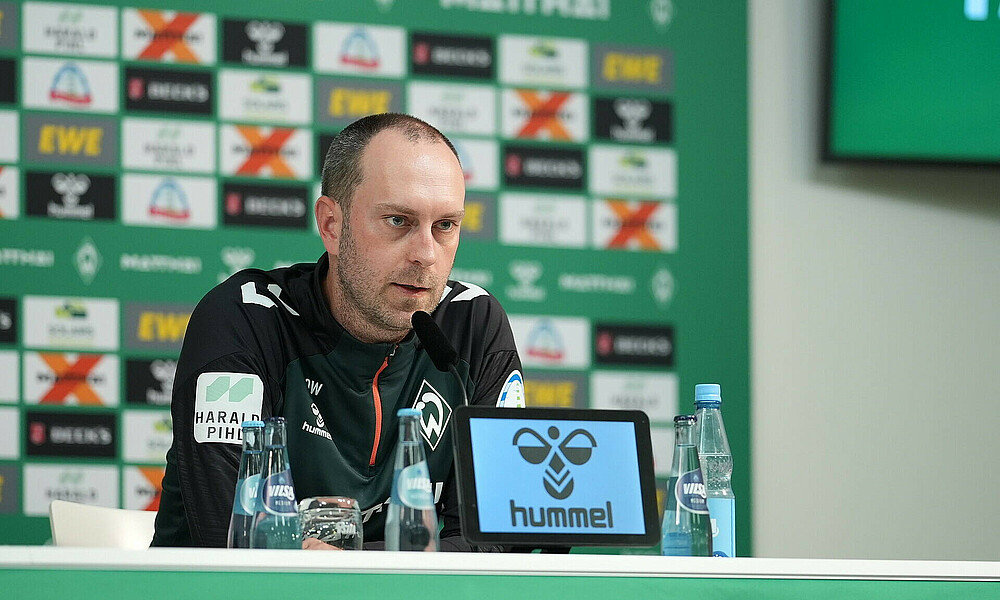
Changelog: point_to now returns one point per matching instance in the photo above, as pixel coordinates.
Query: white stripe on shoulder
(474, 291)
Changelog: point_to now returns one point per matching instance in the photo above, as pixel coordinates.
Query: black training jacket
(264, 343)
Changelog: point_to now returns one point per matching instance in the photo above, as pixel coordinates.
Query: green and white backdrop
(148, 152)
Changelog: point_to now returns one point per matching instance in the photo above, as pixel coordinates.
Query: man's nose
(423, 246)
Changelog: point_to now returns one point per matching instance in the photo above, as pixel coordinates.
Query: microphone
(440, 350)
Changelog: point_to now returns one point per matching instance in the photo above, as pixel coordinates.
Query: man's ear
(329, 220)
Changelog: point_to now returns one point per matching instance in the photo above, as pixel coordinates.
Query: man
(328, 345)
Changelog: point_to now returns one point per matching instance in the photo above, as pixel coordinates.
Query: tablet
(555, 477)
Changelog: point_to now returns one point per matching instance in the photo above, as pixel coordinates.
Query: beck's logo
(543, 167)
(435, 412)
(576, 448)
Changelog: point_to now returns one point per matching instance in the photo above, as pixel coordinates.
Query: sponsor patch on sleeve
(222, 401)
(512, 393)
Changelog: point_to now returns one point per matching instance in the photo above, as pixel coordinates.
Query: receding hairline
(344, 163)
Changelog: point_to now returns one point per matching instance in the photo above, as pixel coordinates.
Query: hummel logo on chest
(313, 386)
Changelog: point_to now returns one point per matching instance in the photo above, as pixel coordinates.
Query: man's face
(400, 232)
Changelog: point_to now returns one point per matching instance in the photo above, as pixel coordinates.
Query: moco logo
(261, 43)
(159, 326)
(83, 379)
(529, 166)
(277, 152)
(644, 68)
(452, 55)
(651, 345)
(534, 114)
(627, 225)
(188, 92)
(168, 36)
(85, 141)
(71, 434)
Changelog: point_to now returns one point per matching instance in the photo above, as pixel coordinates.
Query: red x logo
(633, 225)
(154, 476)
(71, 379)
(265, 151)
(168, 36)
(544, 114)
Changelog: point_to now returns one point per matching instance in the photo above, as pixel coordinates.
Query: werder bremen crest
(435, 412)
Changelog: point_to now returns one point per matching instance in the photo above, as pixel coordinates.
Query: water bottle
(276, 524)
(411, 523)
(686, 527)
(245, 498)
(717, 465)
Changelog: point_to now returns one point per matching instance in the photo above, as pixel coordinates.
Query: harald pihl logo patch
(575, 448)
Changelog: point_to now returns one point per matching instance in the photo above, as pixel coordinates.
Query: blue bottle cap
(252, 424)
(407, 412)
(708, 394)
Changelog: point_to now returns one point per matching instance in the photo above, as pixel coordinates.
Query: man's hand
(311, 543)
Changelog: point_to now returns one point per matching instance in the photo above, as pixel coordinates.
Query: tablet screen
(551, 476)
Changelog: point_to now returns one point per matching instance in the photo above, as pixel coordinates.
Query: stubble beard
(368, 315)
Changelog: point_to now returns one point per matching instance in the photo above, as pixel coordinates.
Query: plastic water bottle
(686, 527)
(276, 524)
(717, 465)
(245, 498)
(411, 523)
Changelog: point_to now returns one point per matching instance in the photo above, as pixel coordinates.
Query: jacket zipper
(378, 405)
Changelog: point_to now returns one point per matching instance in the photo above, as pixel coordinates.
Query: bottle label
(245, 502)
(723, 516)
(278, 494)
(412, 487)
(690, 492)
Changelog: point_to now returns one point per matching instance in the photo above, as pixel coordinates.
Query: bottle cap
(707, 394)
(685, 419)
(252, 424)
(407, 412)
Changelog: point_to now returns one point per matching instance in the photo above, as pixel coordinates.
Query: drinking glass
(334, 520)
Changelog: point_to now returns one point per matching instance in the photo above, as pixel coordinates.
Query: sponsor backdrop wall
(147, 153)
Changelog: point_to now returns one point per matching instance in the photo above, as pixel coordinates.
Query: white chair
(82, 525)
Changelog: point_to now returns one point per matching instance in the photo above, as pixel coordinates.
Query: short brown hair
(342, 170)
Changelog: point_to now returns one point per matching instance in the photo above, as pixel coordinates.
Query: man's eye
(447, 225)
(396, 221)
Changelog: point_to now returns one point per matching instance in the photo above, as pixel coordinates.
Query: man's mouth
(413, 289)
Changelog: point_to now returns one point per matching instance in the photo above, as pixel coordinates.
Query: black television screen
(914, 81)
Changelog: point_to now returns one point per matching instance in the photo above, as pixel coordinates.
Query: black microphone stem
(461, 384)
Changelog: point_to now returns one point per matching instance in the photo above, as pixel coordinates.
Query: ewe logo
(576, 448)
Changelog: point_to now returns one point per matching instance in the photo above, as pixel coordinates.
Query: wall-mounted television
(913, 81)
